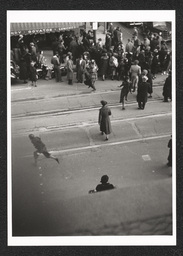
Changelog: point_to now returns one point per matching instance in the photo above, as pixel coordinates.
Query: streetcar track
(58, 112)
(89, 124)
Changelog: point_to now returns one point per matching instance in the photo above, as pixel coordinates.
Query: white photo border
(91, 16)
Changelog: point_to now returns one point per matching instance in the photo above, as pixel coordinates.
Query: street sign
(95, 24)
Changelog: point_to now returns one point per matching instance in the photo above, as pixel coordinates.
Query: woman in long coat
(104, 65)
(24, 65)
(104, 120)
(70, 69)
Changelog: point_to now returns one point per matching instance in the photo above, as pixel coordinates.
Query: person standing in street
(104, 119)
(167, 88)
(104, 65)
(170, 152)
(40, 148)
(80, 69)
(92, 74)
(70, 70)
(124, 91)
(142, 93)
(56, 66)
(135, 71)
(33, 74)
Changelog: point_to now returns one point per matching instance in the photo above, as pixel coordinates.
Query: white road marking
(57, 152)
(21, 89)
(146, 157)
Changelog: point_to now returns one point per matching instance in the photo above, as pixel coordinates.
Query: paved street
(135, 154)
(51, 198)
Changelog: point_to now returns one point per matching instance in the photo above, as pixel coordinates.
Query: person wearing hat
(40, 148)
(150, 81)
(126, 88)
(105, 185)
(167, 88)
(104, 120)
(135, 71)
(92, 74)
(142, 92)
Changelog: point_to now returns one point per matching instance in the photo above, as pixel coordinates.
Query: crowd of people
(92, 60)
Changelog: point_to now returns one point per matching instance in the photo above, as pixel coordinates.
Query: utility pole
(95, 26)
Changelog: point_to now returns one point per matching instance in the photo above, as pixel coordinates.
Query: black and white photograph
(91, 113)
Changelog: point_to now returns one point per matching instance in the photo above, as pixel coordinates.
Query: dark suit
(142, 94)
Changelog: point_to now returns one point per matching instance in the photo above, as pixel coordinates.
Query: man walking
(40, 148)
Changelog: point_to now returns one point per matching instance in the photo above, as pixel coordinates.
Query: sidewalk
(51, 89)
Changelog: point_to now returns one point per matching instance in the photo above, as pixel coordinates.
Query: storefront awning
(42, 27)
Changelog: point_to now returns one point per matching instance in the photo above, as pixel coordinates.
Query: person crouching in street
(126, 88)
(33, 74)
(104, 120)
(40, 148)
(70, 69)
(105, 185)
(142, 92)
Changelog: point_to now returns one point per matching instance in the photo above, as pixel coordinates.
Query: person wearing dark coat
(104, 64)
(91, 75)
(124, 91)
(170, 153)
(142, 93)
(40, 148)
(155, 64)
(108, 41)
(73, 47)
(25, 65)
(33, 74)
(150, 81)
(104, 120)
(105, 185)
(167, 88)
